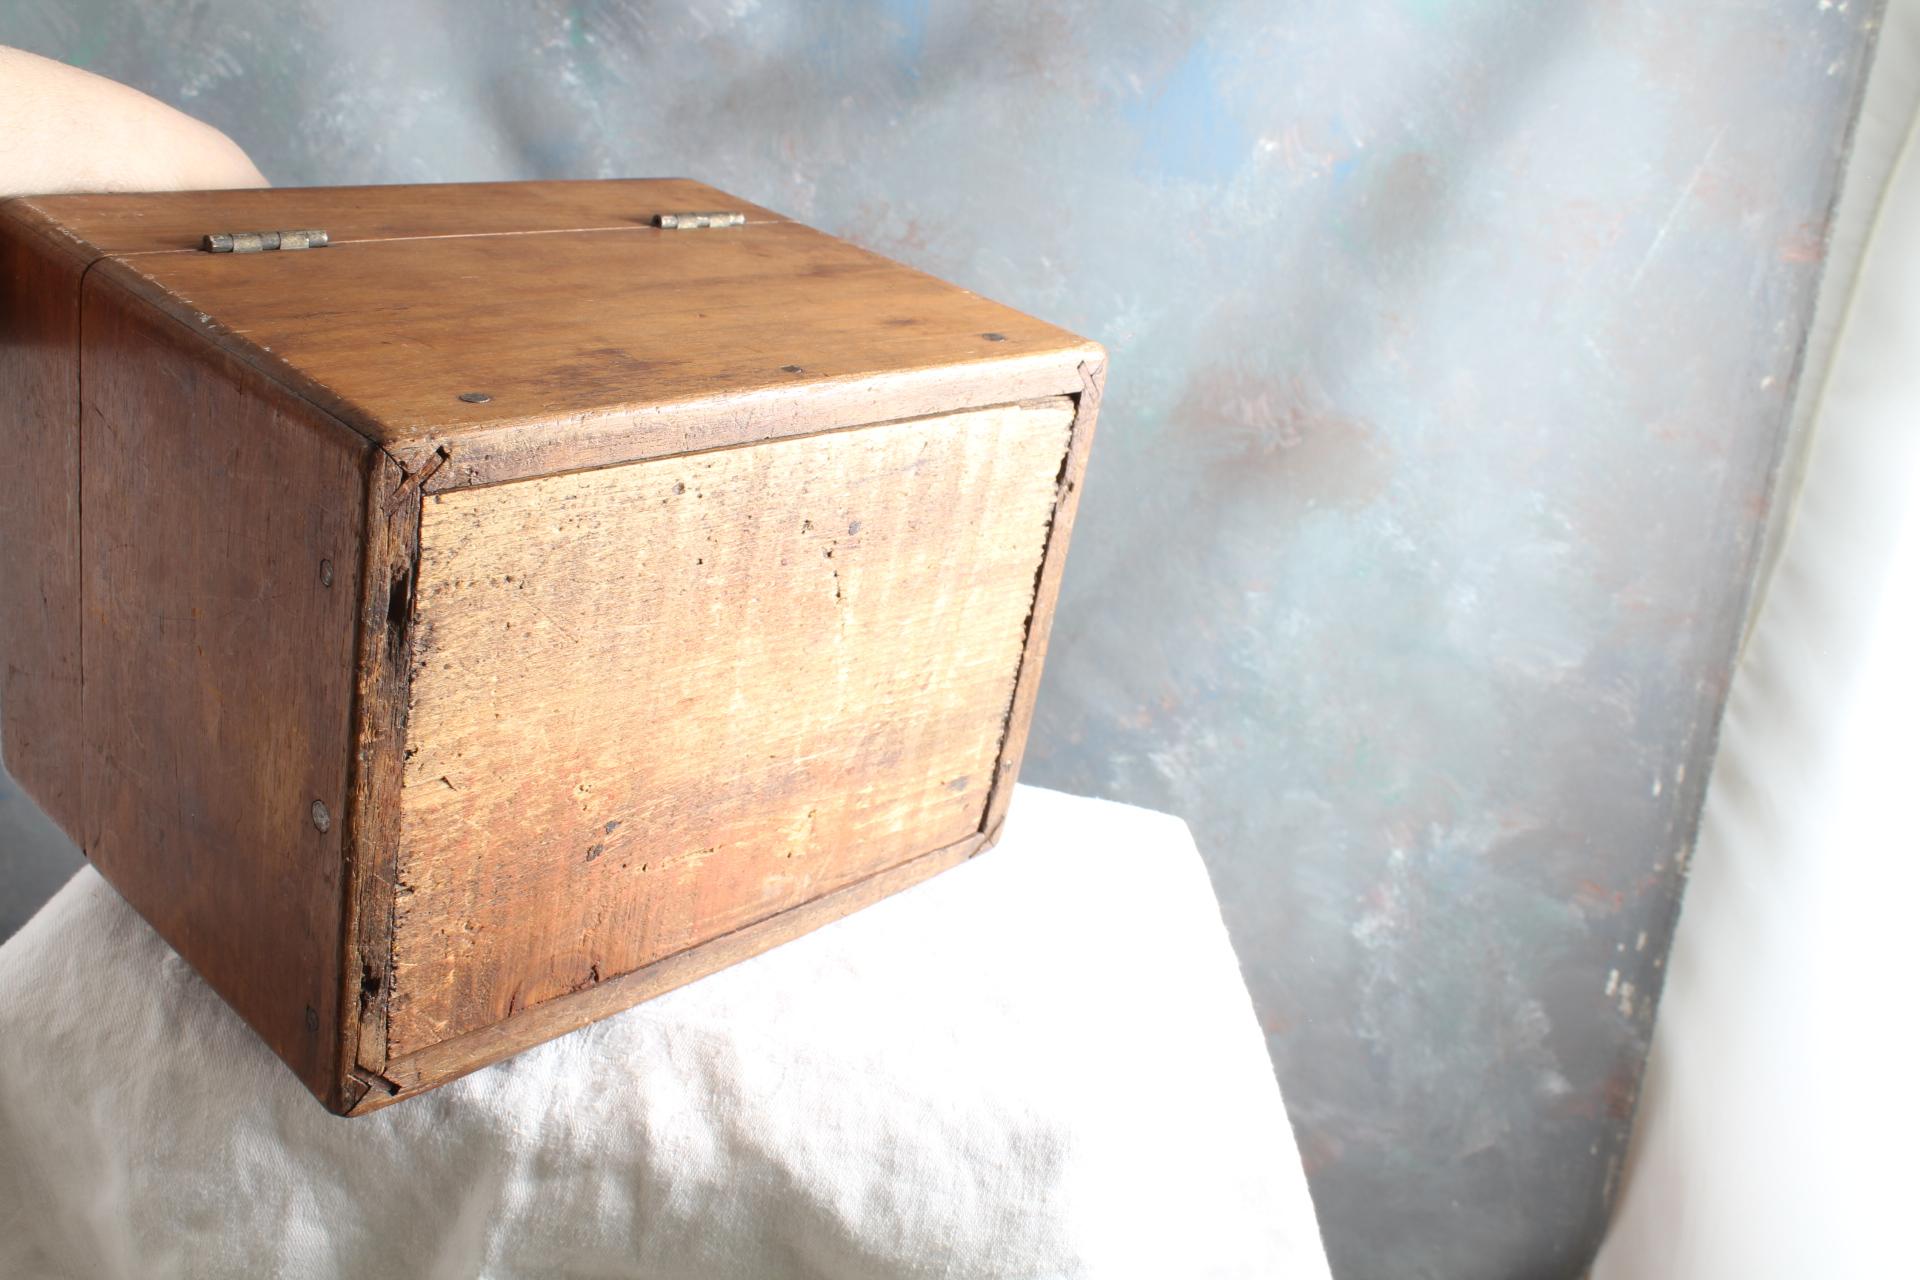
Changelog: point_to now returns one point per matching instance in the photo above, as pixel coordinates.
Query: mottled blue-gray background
(1453, 343)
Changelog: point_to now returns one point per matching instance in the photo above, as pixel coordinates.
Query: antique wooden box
(517, 600)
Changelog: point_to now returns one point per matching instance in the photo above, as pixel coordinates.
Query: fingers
(63, 129)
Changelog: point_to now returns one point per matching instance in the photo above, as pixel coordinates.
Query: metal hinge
(698, 221)
(262, 241)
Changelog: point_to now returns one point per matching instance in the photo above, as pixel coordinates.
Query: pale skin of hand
(63, 129)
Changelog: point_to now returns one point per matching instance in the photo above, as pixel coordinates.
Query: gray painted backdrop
(1453, 343)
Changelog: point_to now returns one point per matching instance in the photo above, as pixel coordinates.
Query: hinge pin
(263, 241)
(698, 221)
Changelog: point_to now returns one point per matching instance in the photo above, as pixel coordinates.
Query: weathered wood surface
(516, 451)
(221, 547)
(613, 342)
(450, 1059)
(40, 513)
(641, 340)
(372, 840)
(655, 703)
(1046, 594)
(660, 654)
(596, 346)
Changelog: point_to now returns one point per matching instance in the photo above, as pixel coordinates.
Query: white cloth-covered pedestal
(1041, 1063)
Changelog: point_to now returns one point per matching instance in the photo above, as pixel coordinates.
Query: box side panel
(1046, 594)
(221, 554)
(40, 517)
(657, 703)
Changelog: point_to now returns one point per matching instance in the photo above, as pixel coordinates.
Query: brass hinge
(698, 221)
(262, 241)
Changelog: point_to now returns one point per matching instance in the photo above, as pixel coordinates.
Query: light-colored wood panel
(655, 703)
(450, 1059)
(221, 551)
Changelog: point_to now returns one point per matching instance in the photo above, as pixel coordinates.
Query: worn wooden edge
(268, 367)
(438, 474)
(552, 446)
(35, 222)
(1046, 593)
(450, 1059)
(126, 272)
(371, 843)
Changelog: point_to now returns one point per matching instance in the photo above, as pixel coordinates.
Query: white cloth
(1043, 1062)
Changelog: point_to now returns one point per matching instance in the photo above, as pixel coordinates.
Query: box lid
(514, 328)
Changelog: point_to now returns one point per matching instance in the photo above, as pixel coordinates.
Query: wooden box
(514, 607)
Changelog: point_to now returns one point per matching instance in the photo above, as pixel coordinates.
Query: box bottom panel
(450, 1059)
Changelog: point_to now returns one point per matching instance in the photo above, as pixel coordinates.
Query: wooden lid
(439, 314)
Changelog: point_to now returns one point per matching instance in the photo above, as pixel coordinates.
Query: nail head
(322, 820)
(475, 397)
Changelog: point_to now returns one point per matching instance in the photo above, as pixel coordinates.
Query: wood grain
(519, 451)
(561, 330)
(610, 343)
(40, 513)
(1046, 594)
(655, 703)
(219, 665)
(372, 842)
(450, 1059)
(658, 654)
